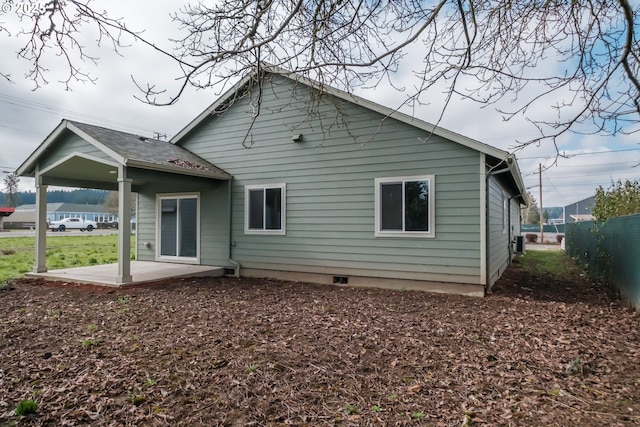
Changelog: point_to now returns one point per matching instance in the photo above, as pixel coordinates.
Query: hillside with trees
(79, 196)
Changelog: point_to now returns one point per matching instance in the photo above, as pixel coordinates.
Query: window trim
(283, 209)
(431, 233)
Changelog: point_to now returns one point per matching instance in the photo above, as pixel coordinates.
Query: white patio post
(40, 265)
(124, 227)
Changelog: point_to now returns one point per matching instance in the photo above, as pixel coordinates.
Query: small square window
(404, 207)
(265, 209)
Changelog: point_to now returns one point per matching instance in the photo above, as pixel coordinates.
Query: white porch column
(40, 265)
(124, 227)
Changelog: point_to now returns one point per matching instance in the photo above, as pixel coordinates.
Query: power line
(581, 154)
(607, 151)
(609, 173)
(20, 129)
(634, 162)
(45, 108)
(623, 170)
(555, 188)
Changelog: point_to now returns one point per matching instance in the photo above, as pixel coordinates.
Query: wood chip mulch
(236, 352)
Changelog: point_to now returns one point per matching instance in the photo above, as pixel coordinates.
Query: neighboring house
(579, 211)
(330, 189)
(5, 212)
(58, 211)
(21, 220)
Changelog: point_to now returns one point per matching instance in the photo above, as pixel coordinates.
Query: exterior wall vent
(340, 280)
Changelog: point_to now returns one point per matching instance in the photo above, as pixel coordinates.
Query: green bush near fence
(610, 251)
(17, 254)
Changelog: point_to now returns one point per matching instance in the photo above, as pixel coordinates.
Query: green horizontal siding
(214, 228)
(146, 226)
(71, 143)
(498, 238)
(330, 188)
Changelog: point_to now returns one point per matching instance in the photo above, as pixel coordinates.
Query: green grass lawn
(556, 263)
(17, 254)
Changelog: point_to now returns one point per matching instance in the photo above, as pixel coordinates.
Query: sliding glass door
(178, 227)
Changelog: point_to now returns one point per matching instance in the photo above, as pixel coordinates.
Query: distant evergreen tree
(81, 196)
(11, 186)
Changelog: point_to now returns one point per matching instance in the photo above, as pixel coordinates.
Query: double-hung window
(404, 206)
(265, 209)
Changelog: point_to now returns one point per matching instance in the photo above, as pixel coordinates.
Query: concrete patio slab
(141, 272)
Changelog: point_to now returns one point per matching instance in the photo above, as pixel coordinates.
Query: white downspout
(235, 264)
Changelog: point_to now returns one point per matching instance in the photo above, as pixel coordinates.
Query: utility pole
(541, 215)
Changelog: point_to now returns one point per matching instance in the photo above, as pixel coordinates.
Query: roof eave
(177, 169)
(386, 111)
(27, 168)
(395, 114)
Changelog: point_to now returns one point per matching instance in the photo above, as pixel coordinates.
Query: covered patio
(86, 156)
(141, 272)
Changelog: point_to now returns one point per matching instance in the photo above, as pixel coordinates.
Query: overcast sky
(28, 116)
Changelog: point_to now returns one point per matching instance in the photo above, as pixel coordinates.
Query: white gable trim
(499, 154)
(354, 99)
(29, 164)
(213, 107)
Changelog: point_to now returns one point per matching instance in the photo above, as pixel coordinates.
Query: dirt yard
(228, 352)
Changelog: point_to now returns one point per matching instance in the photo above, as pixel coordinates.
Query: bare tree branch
(579, 59)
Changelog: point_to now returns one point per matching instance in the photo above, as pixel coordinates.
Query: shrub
(531, 237)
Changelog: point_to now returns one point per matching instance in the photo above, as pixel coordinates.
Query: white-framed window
(265, 209)
(404, 206)
(178, 227)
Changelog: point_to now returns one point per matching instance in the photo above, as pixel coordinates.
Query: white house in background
(58, 211)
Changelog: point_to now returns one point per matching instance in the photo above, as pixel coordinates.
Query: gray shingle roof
(148, 150)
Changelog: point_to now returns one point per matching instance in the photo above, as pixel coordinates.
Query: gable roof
(499, 156)
(129, 150)
(4, 211)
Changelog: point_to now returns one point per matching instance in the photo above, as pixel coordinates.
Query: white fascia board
(29, 164)
(213, 107)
